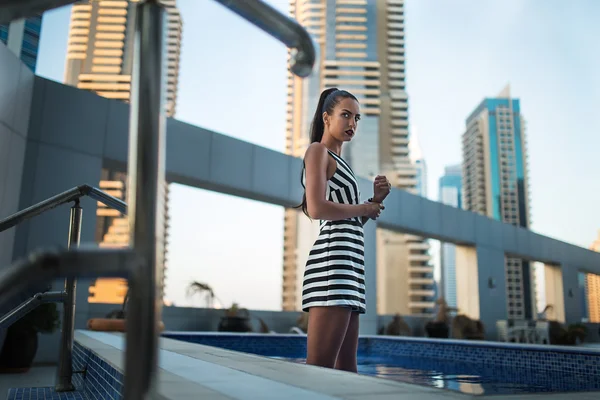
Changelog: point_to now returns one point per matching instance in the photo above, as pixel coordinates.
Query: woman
(334, 286)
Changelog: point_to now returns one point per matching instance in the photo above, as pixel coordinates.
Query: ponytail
(327, 101)
(317, 127)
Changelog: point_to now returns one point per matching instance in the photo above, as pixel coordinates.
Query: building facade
(592, 289)
(100, 59)
(100, 48)
(495, 184)
(450, 193)
(362, 50)
(22, 37)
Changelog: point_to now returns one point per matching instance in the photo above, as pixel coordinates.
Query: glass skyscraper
(450, 193)
(23, 38)
(495, 184)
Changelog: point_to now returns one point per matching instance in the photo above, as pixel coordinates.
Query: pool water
(471, 378)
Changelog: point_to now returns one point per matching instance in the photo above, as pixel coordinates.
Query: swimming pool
(463, 366)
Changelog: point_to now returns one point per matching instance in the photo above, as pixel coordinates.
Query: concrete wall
(16, 91)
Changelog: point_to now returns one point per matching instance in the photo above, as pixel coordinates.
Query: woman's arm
(366, 219)
(316, 160)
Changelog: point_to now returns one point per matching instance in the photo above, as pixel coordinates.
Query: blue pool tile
(538, 358)
(44, 393)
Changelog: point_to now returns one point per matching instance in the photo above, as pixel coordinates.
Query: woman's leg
(326, 331)
(346, 359)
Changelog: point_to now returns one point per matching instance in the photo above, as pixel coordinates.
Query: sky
(233, 81)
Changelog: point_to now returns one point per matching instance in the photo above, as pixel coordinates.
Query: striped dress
(335, 271)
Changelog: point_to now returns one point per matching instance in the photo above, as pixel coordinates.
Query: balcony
(420, 281)
(421, 304)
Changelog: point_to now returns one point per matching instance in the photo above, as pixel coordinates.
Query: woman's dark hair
(327, 101)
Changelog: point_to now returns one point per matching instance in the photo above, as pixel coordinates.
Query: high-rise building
(418, 161)
(592, 286)
(100, 59)
(495, 184)
(22, 37)
(100, 48)
(450, 193)
(362, 50)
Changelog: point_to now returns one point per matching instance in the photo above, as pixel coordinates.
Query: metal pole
(65, 358)
(146, 175)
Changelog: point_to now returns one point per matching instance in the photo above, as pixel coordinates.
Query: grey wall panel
(523, 242)
(16, 87)
(492, 301)
(74, 119)
(431, 215)
(5, 139)
(393, 210)
(36, 109)
(295, 189)
(9, 202)
(268, 180)
(26, 198)
(23, 100)
(463, 225)
(509, 238)
(536, 246)
(116, 144)
(188, 153)
(231, 163)
(10, 67)
(571, 293)
(409, 209)
(9, 191)
(483, 231)
(58, 170)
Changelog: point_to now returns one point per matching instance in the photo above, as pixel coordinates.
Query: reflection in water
(474, 379)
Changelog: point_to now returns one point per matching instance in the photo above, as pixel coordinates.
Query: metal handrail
(260, 14)
(283, 28)
(45, 266)
(60, 199)
(11, 10)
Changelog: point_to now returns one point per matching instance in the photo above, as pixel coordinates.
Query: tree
(196, 287)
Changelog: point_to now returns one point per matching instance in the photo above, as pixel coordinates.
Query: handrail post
(65, 360)
(146, 179)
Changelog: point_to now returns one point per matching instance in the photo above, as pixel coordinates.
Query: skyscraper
(362, 50)
(100, 59)
(450, 193)
(495, 184)
(22, 37)
(100, 48)
(592, 286)
(418, 161)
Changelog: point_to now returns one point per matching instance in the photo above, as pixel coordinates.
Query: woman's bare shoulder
(316, 150)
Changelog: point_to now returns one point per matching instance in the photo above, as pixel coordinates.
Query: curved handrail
(257, 12)
(11, 10)
(278, 25)
(68, 196)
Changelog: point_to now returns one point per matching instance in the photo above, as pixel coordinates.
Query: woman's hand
(381, 188)
(373, 210)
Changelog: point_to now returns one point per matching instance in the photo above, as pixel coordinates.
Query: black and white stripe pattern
(335, 272)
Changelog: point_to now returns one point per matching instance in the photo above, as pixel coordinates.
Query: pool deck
(190, 370)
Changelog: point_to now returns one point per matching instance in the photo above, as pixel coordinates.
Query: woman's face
(343, 121)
